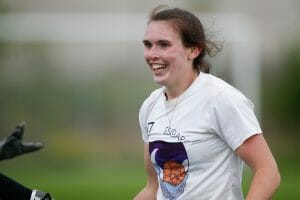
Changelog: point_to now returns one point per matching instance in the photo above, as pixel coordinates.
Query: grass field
(103, 179)
(78, 172)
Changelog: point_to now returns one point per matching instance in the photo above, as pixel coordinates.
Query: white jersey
(192, 139)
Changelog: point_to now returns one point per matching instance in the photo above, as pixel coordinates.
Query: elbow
(274, 177)
(277, 178)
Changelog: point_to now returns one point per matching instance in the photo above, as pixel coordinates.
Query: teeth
(158, 66)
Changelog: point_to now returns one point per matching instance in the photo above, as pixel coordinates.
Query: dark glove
(13, 146)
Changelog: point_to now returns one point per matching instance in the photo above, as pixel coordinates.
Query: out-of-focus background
(74, 71)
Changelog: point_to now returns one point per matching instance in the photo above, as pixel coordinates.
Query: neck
(179, 87)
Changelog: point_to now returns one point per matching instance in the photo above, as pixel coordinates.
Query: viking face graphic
(171, 164)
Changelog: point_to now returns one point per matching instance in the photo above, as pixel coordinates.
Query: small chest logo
(173, 133)
(149, 126)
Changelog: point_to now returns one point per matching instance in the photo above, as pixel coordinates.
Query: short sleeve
(145, 111)
(233, 118)
(142, 121)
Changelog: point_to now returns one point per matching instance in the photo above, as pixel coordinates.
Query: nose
(151, 53)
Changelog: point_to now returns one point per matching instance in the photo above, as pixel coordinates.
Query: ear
(194, 52)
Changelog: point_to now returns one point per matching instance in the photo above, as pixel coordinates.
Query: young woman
(197, 129)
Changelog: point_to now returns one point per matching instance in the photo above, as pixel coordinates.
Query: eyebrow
(159, 41)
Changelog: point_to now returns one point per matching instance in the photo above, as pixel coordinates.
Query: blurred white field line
(109, 27)
(75, 27)
(238, 30)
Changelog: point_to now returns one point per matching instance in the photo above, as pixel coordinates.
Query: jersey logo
(171, 165)
(149, 126)
(173, 133)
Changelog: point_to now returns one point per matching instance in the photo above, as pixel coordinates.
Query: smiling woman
(167, 57)
(169, 42)
(197, 129)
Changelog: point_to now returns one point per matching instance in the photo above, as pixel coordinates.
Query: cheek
(147, 56)
(182, 58)
(145, 53)
(177, 59)
(177, 54)
(171, 56)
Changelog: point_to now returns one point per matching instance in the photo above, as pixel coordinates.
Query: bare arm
(149, 191)
(257, 155)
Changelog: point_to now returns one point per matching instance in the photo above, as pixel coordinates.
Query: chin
(159, 80)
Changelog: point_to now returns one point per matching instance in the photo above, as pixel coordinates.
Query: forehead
(161, 30)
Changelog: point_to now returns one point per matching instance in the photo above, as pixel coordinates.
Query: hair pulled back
(190, 30)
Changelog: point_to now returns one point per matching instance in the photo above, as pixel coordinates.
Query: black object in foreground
(13, 146)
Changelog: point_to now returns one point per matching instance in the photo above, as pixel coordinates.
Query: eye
(164, 44)
(147, 44)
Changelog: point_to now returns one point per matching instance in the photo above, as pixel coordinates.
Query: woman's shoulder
(154, 95)
(218, 87)
(214, 82)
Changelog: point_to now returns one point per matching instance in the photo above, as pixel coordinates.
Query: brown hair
(191, 32)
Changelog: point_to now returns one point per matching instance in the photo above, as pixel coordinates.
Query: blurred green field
(105, 168)
(90, 129)
(81, 99)
(110, 180)
(81, 169)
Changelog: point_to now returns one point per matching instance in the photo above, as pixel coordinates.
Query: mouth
(158, 67)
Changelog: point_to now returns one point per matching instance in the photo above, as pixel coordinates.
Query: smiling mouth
(157, 67)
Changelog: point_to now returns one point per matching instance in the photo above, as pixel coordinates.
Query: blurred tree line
(32, 89)
(281, 95)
